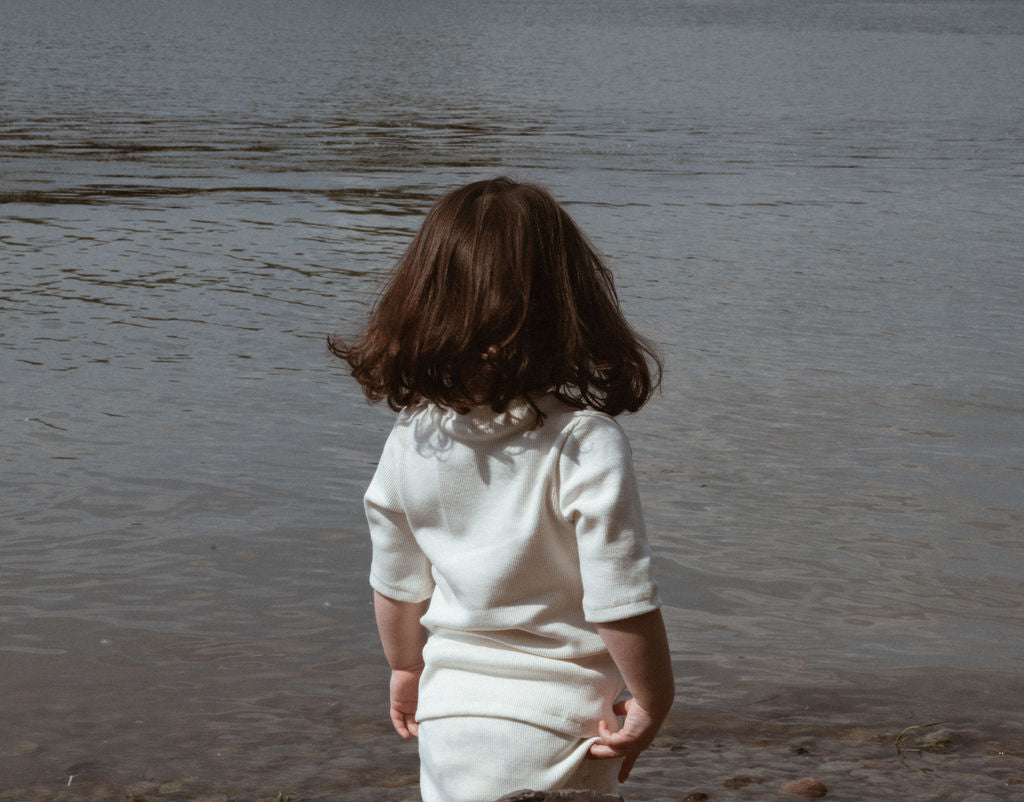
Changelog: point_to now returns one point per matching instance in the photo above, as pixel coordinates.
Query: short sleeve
(597, 494)
(399, 569)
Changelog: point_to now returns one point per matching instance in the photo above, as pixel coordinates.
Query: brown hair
(498, 296)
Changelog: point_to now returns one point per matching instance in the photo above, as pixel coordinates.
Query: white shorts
(478, 759)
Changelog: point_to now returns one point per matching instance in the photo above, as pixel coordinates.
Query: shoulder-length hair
(499, 296)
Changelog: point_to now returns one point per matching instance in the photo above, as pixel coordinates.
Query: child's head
(500, 295)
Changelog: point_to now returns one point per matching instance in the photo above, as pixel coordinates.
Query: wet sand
(308, 747)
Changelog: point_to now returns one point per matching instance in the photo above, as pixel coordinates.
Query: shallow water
(810, 207)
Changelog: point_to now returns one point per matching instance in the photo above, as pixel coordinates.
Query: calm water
(812, 207)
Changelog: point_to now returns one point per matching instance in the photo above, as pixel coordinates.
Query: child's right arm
(639, 647)
(403, 637)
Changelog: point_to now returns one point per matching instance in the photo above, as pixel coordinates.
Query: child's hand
(403, 638)
(636, 734)
(639, 647)
(405, 687)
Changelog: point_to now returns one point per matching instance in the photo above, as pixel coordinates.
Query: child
(510, 567)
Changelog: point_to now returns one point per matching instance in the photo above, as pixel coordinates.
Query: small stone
(808, 786)
(738, 782)
(696, 796)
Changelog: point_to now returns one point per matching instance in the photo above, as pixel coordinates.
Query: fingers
(628, 741)
(604, 751)
(620, 744)
(610, 743)
(404, 724)
(614, 739)
(398, 722)
(600, 751)
(627, 767)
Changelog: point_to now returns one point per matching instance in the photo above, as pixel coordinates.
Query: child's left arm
(403, 637)
(639, 647)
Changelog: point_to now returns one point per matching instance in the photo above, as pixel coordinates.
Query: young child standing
(510, 567)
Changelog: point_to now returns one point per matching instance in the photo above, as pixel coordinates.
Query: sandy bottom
(699, 756)
(253, 726)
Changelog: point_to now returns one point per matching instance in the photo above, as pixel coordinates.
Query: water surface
(810, 207)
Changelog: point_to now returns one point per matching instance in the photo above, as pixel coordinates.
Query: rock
(808, 786)
(738, 782)
(696, 796)
(559, 796)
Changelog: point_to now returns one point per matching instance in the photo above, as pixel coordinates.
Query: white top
(522, 538)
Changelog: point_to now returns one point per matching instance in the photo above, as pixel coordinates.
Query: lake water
(812, 207)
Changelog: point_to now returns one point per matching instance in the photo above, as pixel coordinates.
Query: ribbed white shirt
(522, 538)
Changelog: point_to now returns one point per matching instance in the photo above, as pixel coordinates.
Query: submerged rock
(808, 786)
(739, 782)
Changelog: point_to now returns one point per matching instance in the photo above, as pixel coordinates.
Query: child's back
(504, 511)
(529, 533)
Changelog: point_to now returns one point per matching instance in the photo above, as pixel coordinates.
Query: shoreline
(871, 743)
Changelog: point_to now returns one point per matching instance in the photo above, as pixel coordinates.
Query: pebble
(808, 787)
